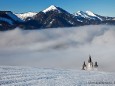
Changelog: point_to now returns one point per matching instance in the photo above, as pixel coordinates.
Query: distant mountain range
(52, 17)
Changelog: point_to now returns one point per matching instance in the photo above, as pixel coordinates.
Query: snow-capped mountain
(51, 17)
(54, 16)
(88, 17)
(23, 16)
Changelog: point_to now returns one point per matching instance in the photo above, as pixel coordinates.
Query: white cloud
(59, 47)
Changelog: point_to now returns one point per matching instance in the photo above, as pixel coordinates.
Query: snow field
(33, 76)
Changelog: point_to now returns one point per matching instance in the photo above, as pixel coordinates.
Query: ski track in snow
(33, 76)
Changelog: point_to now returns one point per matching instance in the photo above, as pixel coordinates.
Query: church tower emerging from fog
(89, 66)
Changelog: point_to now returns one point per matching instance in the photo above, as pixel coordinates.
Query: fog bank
(59, 47)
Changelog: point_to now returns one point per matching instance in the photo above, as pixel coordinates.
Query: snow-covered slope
(82, 14)
(88, 15)
(28, 76)
(54, 16)
(23, 16)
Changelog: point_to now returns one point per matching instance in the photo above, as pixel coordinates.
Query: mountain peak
(52, 7)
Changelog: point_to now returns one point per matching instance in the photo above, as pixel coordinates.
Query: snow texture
(23, 16)
(33, 76)
(81, 13)
(93, 15)
(88, 15)
(51, 8)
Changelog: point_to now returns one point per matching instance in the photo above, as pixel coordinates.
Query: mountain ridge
(51, 17)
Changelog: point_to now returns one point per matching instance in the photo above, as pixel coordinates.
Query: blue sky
(102, 7)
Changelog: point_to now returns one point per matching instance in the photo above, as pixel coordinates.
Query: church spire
(95, 65)
(90, 60)
(90, 65)
(84, 66)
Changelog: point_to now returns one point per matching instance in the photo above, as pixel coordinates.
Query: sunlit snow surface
(23, 16)
(88, 15)
(52, 7)
(33, 76)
